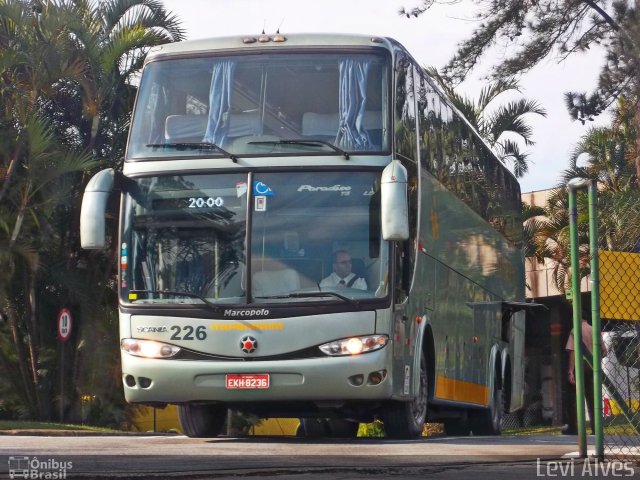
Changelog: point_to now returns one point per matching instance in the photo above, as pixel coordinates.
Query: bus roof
(252, 42)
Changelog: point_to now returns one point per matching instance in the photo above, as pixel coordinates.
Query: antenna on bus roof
(281, 22)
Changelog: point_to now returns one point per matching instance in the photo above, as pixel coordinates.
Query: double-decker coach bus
(261, 170)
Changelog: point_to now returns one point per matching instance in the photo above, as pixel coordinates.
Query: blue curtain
(354, 74)
(220, 101)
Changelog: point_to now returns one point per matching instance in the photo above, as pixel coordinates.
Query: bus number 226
(187, 333)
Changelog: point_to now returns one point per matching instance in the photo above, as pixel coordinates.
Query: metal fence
(610, 244)
(620, 313)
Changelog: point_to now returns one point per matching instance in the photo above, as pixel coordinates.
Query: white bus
(260, 170)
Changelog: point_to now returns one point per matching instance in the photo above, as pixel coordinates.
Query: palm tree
(66, 85)
(504, 127)
(609, 154)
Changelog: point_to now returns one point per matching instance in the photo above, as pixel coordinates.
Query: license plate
(247, 381)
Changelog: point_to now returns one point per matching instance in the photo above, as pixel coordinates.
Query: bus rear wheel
(489, 421)
(406, 419)
(202, 421)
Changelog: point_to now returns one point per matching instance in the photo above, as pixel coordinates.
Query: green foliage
(605, 155)
(371, 430)
(533, 30)
(65, 95)
(241, 423)
(504, 127)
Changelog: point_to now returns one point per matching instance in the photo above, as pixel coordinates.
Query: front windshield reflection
(185, 240)
(315, 237)
(270, 104)
(317, 232)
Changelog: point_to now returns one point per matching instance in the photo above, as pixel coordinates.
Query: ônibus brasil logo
(32, 468)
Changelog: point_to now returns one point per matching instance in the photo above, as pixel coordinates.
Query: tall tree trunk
(16, 381)
(34, 340)
(22, 360)
(10, 170)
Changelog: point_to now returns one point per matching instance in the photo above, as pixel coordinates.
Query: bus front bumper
(328, 378)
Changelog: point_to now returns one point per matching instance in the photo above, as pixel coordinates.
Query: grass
(539, 430)
(32, 425)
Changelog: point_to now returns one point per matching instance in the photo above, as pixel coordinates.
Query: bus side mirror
(94, 207)
(394, 207)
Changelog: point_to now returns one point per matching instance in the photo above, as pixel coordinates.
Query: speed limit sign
(64, 325)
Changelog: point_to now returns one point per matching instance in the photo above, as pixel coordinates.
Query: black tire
(488, 421)
(202, 421)
(342, 428)
(314, 427)
(405, 420)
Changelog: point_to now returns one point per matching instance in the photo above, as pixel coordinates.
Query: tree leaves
(65, 98)
(503, 127)
(534, 30)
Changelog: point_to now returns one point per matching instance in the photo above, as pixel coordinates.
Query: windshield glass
(315, 237)
(185, 234)
(257, 104)
(317, 232)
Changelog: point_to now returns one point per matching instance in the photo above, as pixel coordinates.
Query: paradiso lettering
(344, 190)
(225, 327)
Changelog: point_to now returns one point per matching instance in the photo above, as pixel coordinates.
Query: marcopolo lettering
(261, 312)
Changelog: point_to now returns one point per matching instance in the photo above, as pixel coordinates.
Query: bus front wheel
(406, 419)
(202, 421)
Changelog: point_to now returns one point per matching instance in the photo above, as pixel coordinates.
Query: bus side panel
(472, 268)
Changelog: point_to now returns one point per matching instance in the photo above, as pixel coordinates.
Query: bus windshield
(314, 237)
(268, 104)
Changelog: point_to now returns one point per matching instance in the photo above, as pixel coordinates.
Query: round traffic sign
(64, 325)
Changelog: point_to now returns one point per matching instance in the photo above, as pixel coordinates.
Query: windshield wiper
(305, 142)
(194, 146)
(176, 293)
(355, 303)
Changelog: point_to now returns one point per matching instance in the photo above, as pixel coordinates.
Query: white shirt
(333, 280)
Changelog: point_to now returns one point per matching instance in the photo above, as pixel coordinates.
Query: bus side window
(405, 109)
(405, 142)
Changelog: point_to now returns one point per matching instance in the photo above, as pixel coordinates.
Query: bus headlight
(354, 345)
(148, 348)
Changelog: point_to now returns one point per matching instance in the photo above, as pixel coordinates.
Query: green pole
(577, 330)
(595, 316)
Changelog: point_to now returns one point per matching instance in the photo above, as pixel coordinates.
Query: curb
(79, 433)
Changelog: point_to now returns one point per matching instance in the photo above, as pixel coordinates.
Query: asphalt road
(289, 458)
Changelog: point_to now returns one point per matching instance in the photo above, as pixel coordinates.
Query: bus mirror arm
(94, 207)
(394, 207)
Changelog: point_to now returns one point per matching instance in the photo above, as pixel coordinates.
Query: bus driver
(342, 275)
